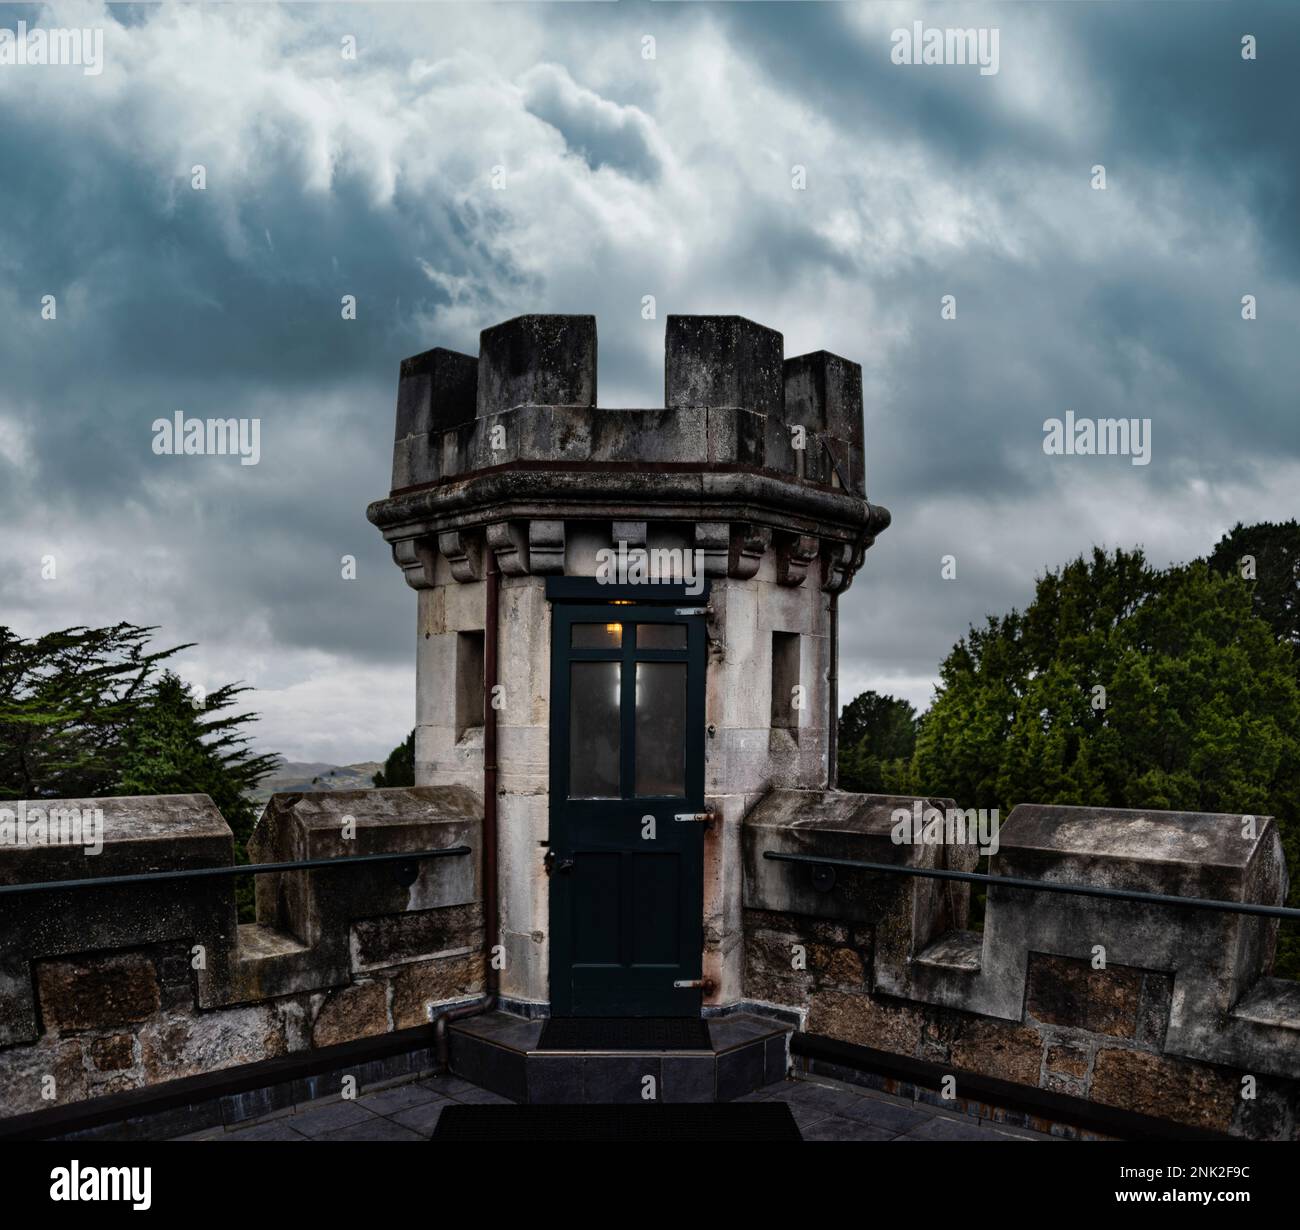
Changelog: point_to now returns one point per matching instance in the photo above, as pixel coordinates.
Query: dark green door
(627, 781)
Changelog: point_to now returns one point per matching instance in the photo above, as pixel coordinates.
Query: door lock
(553, 864)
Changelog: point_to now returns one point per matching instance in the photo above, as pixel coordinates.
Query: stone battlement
(132, 985)
(731, 399)
(1165, 1011)
(107, 989)
(751, 454)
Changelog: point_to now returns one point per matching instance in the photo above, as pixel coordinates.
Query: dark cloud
(668, 177)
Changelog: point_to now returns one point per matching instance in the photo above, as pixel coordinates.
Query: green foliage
(399, 768)
(1200, 711)
(877, 736)
(1274, 561)
(66, 701)
(179, 744)
(84, 713)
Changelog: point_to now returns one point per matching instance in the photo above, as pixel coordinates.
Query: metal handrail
(256, 869)
(1044, 886)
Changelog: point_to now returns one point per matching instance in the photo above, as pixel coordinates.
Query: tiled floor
(827, 1110)
(400, 1112)
(824, 1110)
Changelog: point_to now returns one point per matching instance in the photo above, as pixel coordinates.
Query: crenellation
(435, 397)
(537, 361)
(436, 392)
(722, 362)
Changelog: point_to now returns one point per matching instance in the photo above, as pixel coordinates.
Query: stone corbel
(748, 544)
(416, 558)
(713, 538)
(546, 546)
(838, 568)
(794, 554)
(464, 552)
(510, 542)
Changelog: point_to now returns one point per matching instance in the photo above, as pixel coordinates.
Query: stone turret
(755, 462)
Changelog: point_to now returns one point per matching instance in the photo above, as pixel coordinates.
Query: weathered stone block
(175, 976)
(435, 392)
(722, 361)
(23, 1085)
(185, 1046)
(113, 1053)
(906, 913)
(823, 392)
(885, 1025)
(398, 939)
(769, 972)
(837, 966)
(1063, 991)
(779, 452)
(999, 1049)
(537, 361)
(1166, 1088)
(1153, 1010)
(941, 1027)
(416, 987)
(358, 1011)
(96, 991)
(317, 907)
(1272, 1114)
(799, 928)
(1067, 1058)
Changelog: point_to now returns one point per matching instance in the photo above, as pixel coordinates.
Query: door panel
(595, 887)
(656, 938)
(627, 757)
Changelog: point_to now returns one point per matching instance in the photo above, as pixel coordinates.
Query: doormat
(698, 1121)
(626, 1033)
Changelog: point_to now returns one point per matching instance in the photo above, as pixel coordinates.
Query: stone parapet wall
(1182, 1022)
(108, 989)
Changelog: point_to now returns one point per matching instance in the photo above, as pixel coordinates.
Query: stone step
(499, 1052)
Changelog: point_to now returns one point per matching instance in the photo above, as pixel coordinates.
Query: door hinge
(691, 610)
(694, 984)
(706, 818)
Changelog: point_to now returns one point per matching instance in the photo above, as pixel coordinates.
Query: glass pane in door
(660, 729)
(594, 730)
(661, 636)
(596, 636)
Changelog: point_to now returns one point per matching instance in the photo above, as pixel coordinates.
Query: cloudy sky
(627, 176)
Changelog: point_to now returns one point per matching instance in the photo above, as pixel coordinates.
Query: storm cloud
(627, 175)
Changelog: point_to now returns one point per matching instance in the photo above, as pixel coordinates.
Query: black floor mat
(637, 1122)
(591, 1033)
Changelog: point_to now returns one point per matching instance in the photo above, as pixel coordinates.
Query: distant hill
(306, 775)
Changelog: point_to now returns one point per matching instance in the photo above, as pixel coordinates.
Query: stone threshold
(498, 1051)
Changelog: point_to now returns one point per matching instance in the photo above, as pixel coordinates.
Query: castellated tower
(620, 713)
